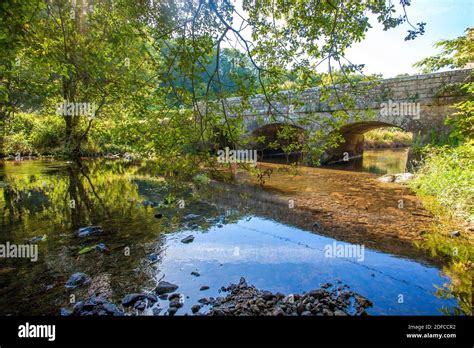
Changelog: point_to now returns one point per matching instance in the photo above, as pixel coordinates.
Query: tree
(144, 60)
(16, 19)
(456, 53)
(86, 52)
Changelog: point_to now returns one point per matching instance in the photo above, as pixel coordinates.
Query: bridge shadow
(288, 143)
(353, 141)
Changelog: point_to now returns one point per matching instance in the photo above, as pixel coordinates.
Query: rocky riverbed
(352, 206)
(247, 300)
(241, 300)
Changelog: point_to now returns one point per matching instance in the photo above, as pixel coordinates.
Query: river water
(377, 161)
(273, 236)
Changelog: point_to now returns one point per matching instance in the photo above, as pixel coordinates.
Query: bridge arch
(418, 104)
(265, 135)
(353, 135)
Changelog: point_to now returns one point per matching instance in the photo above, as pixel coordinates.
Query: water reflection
(285, 259)
(377, 161)
(54, 199)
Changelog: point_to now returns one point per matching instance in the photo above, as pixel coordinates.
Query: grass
(387, 138)
(447, 174)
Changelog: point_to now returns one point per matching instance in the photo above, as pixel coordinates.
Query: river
(276, 236)
(378, 161)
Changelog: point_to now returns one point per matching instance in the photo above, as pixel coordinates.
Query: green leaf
(87, 249)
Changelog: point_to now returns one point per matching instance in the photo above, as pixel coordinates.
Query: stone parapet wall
(435, 93)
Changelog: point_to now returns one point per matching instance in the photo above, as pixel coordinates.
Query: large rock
(96, 306)
(188, 239)
(165, 287)
(398, 178)
(403, 177)
(387, 178)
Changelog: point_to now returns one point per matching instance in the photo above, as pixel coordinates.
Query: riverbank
(384, 138)
(444, 182)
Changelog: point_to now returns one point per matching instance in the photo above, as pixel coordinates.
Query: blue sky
(386, 52)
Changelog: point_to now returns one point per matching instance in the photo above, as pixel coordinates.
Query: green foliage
(462, 122)
(455, 53)
(448, 174)
(32, 133)
(387, 137)
(445, 179)
(169, 199)
(72, 54)
(158, 72)
(260, 174)
(460, 288)
(87, 249)
(233, 69)
(201, 179)
(288, 139)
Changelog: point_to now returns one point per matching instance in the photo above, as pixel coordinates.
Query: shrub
(33, 133)
(447, 174)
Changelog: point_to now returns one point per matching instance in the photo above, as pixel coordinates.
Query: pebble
(204, 301)
(241, 300)
(37, 239)
(76, 280)
(89, 230)
(173, 296)
(93, 306)
(131, 299)
(65, 312)
(195, 308)
(172, 311)
(192, 217)
(245, 300)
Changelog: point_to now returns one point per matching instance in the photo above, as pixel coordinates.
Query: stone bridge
(417, 104)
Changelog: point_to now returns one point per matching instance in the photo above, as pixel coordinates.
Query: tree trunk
(2, 135)
(3, 132)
